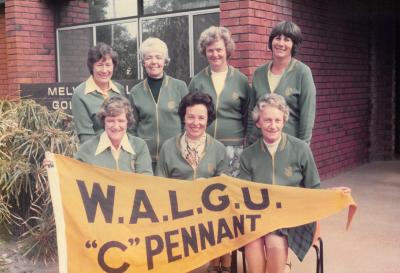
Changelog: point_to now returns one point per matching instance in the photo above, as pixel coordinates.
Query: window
(123, 38)
(116, 22)
(172, 30)
(73, 45)
(160, 6)
(200, 23)
(100, 10)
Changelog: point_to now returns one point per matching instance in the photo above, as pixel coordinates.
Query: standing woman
(290, 78)
(231, 93)
(89, 95)
(155, 100)
(114, 148)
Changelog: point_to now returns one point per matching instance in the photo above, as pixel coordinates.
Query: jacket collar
(104, 143)
(231, 71)
(281, 146)
(91, 86)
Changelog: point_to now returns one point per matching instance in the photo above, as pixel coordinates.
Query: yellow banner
(110, 221)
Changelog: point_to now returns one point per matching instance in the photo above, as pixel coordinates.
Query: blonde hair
(154, 44)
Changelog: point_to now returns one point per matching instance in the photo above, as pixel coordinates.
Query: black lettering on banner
(189, 240)
(238, 225)
(97, 197)
(255, 206)
(176, 214)
(253, 219)
(205, 198)
(169, 245)
(102, 253)
(150, 251)
(139, 199)
(223, 230)
(206, 234)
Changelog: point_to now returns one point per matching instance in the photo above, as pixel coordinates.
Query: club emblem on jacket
(171, 105)
(289, 171)
(289, 91)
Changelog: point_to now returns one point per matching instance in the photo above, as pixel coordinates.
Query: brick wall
(75, 12)
(30, 43)
(336, 49)
(250, 23)
(3, 56)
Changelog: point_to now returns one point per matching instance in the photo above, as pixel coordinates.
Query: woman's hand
(47, 163)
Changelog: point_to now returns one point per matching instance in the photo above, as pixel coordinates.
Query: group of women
(208, 128)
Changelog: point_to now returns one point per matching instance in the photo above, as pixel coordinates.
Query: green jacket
(85, 108)
(297, 87)
(293, 165)
(173, 165)
(156, 122)
(232, 105)
(140, 162)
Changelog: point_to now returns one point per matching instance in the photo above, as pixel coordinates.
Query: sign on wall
(58, 95)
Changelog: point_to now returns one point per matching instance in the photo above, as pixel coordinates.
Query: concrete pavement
(372, 244)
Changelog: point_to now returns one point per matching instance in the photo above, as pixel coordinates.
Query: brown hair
(194, 98)
(98, 52)
(114, 106)
(288, 29)
(213, 34)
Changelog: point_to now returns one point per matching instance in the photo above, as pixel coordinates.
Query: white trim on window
(139, 21)
(192, 46)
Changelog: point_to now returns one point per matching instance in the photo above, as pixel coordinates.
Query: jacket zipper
(157, 121)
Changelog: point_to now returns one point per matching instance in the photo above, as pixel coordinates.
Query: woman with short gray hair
(272, 100)
(280, 159)
(153, 45)
(155, 100)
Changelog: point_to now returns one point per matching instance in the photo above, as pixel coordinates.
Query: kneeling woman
(279, 159)
(114, 148)
(193, 154)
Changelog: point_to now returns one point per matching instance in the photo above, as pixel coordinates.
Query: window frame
(139, 21)
(93, 26)
(192, 46)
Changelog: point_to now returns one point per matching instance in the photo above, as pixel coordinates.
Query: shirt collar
(91, 86)
(105, 142)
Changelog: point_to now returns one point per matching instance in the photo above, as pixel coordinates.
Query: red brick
(229, 5)
(229, 22)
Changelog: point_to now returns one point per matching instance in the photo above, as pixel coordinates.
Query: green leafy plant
(27, 131)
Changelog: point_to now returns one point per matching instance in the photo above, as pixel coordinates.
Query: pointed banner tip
(351, 213)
